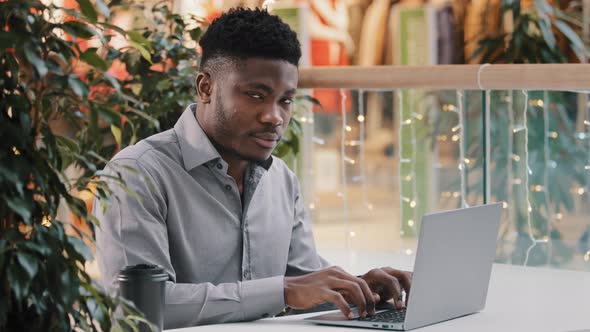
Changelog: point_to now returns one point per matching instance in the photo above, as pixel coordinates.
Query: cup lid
(148, 271)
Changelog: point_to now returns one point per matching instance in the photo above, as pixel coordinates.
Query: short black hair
(243, 33)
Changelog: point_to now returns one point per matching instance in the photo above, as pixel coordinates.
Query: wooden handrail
(451, 77)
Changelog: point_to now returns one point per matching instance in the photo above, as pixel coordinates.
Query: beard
(223, 131)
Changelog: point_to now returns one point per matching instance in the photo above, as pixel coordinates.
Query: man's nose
(272, 116)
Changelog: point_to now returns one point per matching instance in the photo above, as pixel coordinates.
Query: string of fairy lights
(587, 166)
(408, 122)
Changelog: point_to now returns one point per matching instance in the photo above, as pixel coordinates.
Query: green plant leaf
(78, 29)
(163, 85)
(577, 44)
(20, 206)
(196, 33)
(90, 57)
(545, 27)
(70, 144)
(142, 50)
(80, 247)
(29, 263)
(137, 37)
(544, 7)
(18, 281)
(113, 81)
(36, 61)
(87, 9)
(79, 87)
(7, 39)
(116, 131)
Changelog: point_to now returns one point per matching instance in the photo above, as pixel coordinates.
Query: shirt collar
(195, 146)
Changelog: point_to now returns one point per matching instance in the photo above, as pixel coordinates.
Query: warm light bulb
(455, 138)
(46, 221)
(413, 204)
(348, 128)
(349, 160)
(360, 118)
(411, 223)
(352, 234)
(505, 205)
(318, 140)
(516, 129)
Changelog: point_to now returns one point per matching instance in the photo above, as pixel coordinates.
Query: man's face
(251, 107)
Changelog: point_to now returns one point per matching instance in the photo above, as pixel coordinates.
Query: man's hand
(330, 285)
(389, 283)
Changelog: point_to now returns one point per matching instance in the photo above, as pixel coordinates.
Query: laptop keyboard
(388, 316)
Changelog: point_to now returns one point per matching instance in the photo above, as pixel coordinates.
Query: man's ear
(204, 87)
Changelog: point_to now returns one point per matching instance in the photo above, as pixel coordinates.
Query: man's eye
(254, 95)
(288, 101)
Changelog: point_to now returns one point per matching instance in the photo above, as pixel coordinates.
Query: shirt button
(219, 166)
(227, 187)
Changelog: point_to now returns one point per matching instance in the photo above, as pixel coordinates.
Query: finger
(404, 277)
(368, 294)
(369, 299)
(376, 297)
(392, 288)
(354, 292)
(338, 300)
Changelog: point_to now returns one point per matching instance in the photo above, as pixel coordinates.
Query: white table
(519, 299)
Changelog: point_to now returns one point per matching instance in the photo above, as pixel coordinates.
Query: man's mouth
(266, 140)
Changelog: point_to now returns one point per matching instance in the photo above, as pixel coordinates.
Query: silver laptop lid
(453, 264)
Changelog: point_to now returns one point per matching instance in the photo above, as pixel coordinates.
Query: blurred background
(372, 161)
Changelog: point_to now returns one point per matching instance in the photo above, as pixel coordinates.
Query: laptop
(452, 271)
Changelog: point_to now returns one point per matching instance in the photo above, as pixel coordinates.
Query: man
(222, 216)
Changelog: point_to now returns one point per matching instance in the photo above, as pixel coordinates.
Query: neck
(236, 168)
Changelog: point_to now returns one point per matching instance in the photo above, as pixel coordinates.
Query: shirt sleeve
(303, 257)
(132, 230)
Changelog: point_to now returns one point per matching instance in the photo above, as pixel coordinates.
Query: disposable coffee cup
(145, 286)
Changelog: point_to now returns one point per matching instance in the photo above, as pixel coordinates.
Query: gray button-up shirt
(226, 256)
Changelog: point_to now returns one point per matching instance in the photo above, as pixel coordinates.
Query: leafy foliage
(71, 100)
(51, 78)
